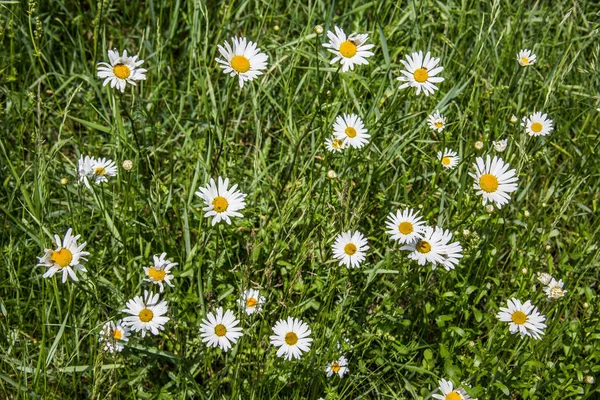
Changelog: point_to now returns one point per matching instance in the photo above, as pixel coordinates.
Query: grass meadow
(402, 326)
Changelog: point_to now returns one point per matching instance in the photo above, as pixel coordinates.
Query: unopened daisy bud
(64, 181)
(526, 214)
(514, 119)
(589, 379)
(524, 271)
(276, 28)
(489, 208)
(331, 174)
(318, 29)
(548, 247)
(478, 145)
(494, 252)
(544, 277)
(456, 233)
(585, 305)
(466, 232)
(127, 165)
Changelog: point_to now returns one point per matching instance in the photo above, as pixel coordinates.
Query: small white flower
(159, 273)
(292, 338)
(526, 57)
(335, 145)
(478, 145)
(220, 329)
(449, 393)
(554, 290)
(243, 59)
(449, 158)
(66, 258)
(523, 318)
(405, 226)
(121, 70)
(349, 50)
(221, 203)
(544, 277)
(251, 301)
(493, 180)
(114, 336)
(147, 313)
(101, 168)
(434, 247)
(437, 121)
(538, 124)
(500, 145)
(84, 169)
(339, 367)
(421, 72)
(350, 248)
(351, 129)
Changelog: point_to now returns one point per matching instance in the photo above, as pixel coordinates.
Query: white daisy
(405, 226)
(243, 59)
(493, 180)
(523, 318)
(350, 129)
(434, 247)
(526, 57)
(221, 203)
(449, 393)
(538, 124)
(147, 313)
(291, 337)
(544, 277)
(500, 145)
(554, 290)
(335, 145)
(84, 169)
(113, 336)
(66, 258)
(159, 273)
(421, 72)
(437, 121)
(449, 158)
(220, 329)
(348, 50)
(350, 248)
(100, 169)
(121, 70)
(339, 367)
(251, 301)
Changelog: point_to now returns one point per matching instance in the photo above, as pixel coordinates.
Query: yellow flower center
(335, 367)
(348, 49)
(350, 249)
(423, 247)
(291, 338)
(220, 204)
(405, 228)
(438, 125)
(420, 75)
(100, 171)
(536, 127)
(121, 71)
(524, 60)
(62, 257)
(220, 330)
(337, 143)
(351, 132)
(146, 315)
(488, 183)
(240, 63)
(117, 334)
(156, 274)
(453, 396)
(251, 302)
(519, 317)
(446, 161)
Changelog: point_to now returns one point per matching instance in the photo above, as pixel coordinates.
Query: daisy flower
(65, 258)
(339, 367)
(84, 169)
(405, 226)
(220, 329)
(243, 59)
(500, 145)
(436, 121)
(113, 336)
(159, 273)
(544, 277)
(526, 57)
(335, 145)
(121, 70)
(147, 313)
(554, 290)
(100, 169)
(350, 129)
(350, 248)
(434, 247)
(251, 301)
(449, 158)
(291, 337)
(523, 318)
(420, 73)
(538, 124)
(348, 50)
(449, 393)
(493, 180)
(221, 203)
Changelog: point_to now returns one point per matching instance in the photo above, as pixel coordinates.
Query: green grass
(408, 326)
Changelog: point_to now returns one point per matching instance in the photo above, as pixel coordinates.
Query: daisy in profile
(84, 169)
(221, 203)
(436, 121)
(242, 58)
(350, 129)
(421, 72)
(348, 50)
(114, 336)
(121, 70)
(523, 318)
(405, 226)
(335, 145)
(159, 272)
(525, 57)
(147, 313)
(449, 393)
(493, 180)
(350, 248)
(435, 247)
(66, 258)
(100, 169)
(449, 158)
(251, 301)
(339, 367)
(220, 329)
(500, 145)
(545, 278)
(538, 124)
(292, 338)
(554, 290)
